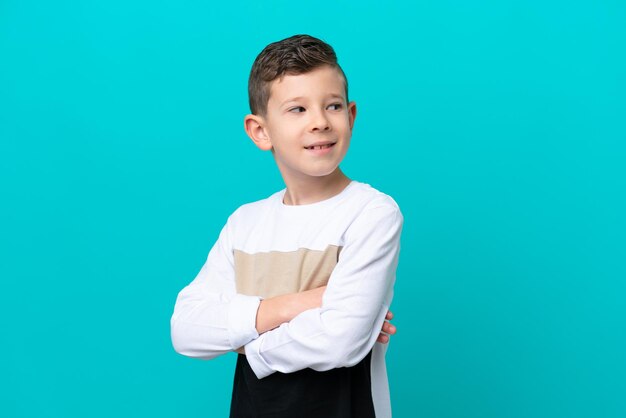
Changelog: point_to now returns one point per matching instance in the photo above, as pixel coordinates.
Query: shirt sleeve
(344, 329)
(210, 318)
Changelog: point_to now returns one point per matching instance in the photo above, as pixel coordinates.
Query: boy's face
(308, 123)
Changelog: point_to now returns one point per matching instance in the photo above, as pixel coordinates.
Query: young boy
(300, 283)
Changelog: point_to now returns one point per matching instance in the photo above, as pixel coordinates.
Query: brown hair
(295, 55)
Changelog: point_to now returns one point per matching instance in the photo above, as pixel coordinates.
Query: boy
(300, 283)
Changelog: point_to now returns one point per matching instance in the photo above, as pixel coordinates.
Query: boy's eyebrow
(292, 99)
(336, 96)
(299, 98)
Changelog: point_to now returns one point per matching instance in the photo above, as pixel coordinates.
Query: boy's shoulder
(257, 207)
(374, 198)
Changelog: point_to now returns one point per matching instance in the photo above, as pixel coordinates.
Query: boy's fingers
(388, 328)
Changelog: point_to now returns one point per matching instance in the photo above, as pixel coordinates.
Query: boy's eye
(297, 109)
(335, 106)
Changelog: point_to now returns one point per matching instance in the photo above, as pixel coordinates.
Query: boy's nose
(320, 122)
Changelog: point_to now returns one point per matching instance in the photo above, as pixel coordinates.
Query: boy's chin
(326, 175)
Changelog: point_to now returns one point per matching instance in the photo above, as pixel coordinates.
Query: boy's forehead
(323, 81)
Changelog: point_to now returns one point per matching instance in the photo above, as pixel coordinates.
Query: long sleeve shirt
(349, 242)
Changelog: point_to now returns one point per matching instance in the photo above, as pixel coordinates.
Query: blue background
(498, 126)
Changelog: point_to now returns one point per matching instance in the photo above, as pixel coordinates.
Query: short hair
(295, 55)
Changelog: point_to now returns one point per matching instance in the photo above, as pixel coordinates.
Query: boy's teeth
(320, 146)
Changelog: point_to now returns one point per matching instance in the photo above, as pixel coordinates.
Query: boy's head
(295, 55)
(300, 110)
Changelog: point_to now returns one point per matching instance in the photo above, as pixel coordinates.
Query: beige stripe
(277, 273)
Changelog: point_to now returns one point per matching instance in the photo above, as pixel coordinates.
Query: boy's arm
(210, 318)
(344, 329)
(275, 311)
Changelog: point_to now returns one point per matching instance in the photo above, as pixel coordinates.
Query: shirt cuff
(259, 366)
(242, 319)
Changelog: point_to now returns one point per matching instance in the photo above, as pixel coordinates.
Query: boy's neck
(313, 190)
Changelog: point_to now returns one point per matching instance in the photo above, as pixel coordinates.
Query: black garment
(339, 393)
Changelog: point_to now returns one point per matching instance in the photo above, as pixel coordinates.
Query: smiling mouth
(320, 146)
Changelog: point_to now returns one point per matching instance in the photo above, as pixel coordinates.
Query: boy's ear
(255, 128)
(351, 113)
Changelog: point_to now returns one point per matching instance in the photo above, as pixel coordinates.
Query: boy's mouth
(320, 146)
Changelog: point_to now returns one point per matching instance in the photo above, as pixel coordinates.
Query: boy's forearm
(275, 311)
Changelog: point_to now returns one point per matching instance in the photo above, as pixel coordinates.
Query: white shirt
(269, 248)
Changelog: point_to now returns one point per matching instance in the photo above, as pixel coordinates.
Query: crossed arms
(278, 310)
(323, 328)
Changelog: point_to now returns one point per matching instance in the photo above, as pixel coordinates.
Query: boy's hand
(387, 329)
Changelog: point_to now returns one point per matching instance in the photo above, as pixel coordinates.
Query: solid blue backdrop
(498, 126)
